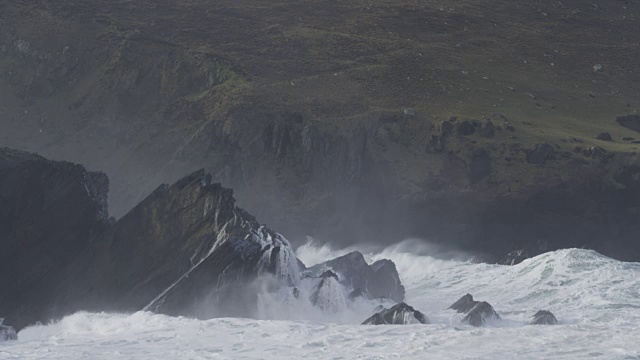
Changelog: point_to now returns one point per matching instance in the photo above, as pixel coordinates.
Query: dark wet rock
(400, 314)
(183, 246)
(7, 332)
(487, 129)
(540, 153)
(358, 293)
(631, 121)
(48, 212)
(480, 314)
(543, 317)
(477, 312)
(329, 274)
(379, 279)
(464, 304)
(465, 127)
(605, 136)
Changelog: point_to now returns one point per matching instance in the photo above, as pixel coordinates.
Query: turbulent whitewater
(596, 300)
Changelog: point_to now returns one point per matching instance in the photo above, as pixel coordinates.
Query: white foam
(596, 301)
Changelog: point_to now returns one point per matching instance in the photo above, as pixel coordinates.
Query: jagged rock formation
(378, 280)
(543, 317)
(400, 314)
(477, 312)
(465, 304)
(7, 332)
(185, 249)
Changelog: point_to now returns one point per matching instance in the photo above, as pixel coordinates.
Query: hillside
(471, 123)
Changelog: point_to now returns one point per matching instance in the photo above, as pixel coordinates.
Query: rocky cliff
(61, 254)
(476, 124)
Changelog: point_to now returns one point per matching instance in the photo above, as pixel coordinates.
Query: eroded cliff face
(349, 131)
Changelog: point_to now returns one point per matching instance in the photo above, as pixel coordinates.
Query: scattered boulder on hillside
(477, 312)
(399, 314)
(605, 136)
(631, 121)
(628, 138)
(379, 280)
(446, 127)
(543, 317)
(540, 153)
(465, 127)
(7, 332)
(595, 152)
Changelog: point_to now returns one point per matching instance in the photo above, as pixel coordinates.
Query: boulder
(543, 317)
(464, 304)
(540, 153)
(631, 121)
(477, 312)
(628, 138)
(480, 314)
(605, 136)
(379, 280)
(465, 127)
(399, 314)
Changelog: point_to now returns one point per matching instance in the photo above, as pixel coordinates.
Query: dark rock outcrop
(399, 314)
(543, 317)
(380, 279)
(464, 304)
(48, 212)
(7, 332)
(540, 153)
(185, 250)
(477, 312)
(481, 314)
(631, 121)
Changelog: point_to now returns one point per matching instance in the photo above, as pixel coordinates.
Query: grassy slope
(340, 62)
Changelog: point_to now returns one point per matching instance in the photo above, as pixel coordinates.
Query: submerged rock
(7, 332)
(480, 314)
(543, 317)
(477, 312)
(399, 314)
(464, 304)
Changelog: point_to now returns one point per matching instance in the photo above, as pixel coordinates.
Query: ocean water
(596, 300)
